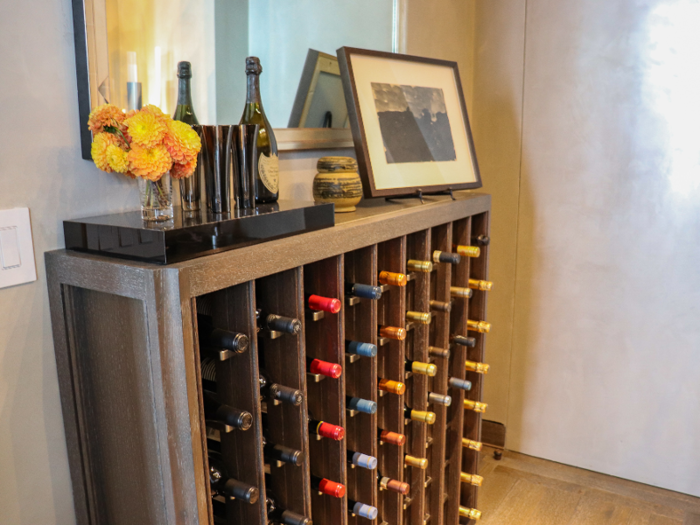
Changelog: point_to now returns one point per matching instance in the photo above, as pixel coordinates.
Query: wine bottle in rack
(358, 459)
(460, 292)
(272, 392)
(392, 278)
(479, 368)
(277, 323)
(412, 461)
(461, 384)
(364, 291)
(362, 509)
(478, 326)
(440, 306)
(392, 438)
(223, 485)
(322, 429)
(419, 317)
(467, 251)
(267, 177)
(361, 405)
(392, 332)
(424, 369)
(471, 444)
(471, 514)
(393, 485)
(439, 399)
(214, 410)
(414, 265)
(446, 257)
(421, 416)
(481, 240)
(361, 349)
(327, 487)
(476, 406)
(273, 452)
(324, 368)
(211, 338)
(472, 479)
(476, 284)
(392, 387)
(438, 352)
(324, 304)
(276, 515)
(463, 340)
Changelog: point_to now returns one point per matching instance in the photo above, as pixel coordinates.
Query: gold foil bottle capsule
(472, 479)
(472, 514)
(419, 317)
(392, 279)
(425, 369)
(484, 286)
(438, 352)
(462, 293)
(468, 251)
(479, 368)
(422, 416)
(393, 387)
(476, 406)
(419, 266)
(479, 326)
(441, 306)
(474, 445)
(411, 461)
(392, 332)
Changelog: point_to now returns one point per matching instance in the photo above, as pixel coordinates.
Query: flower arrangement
(145, 144)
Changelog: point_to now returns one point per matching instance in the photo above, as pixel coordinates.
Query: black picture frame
(359, 135)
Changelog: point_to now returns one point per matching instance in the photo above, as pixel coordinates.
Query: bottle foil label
(269, 170)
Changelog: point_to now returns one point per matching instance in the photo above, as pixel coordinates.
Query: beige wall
(596, 339)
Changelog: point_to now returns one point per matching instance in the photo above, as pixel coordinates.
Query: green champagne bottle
(267, 177)
(190, 187)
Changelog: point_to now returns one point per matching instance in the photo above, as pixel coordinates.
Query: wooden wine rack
(126, 344)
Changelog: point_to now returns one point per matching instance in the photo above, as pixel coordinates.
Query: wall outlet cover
(17, 265)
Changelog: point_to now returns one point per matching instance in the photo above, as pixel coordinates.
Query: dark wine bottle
(190, 189)
(363, 349)
(365, 291)
(289, 455)
(325, 304)
(213, 338)
(462, 384)
(361, 405)
(440, 306)
(277, 515)
(481, 240)
(324, 368)
(222, 484)
(277, 323)
(361, 460)
(267, 178)
(446, 257)
(327, 487)
(214, 410)
(463, 340)
(270, 391)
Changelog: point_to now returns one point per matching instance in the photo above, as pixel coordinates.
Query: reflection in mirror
(295, 41)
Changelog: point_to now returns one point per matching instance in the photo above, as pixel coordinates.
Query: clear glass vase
(156, 198)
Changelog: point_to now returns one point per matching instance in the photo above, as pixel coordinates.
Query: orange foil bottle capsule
(473, 445)
(472, 479)
(393, 387)
(479, 368)
(471, 514)
(484, 286)
(392, 332)
(468, 251)
(392, 278)
(479, 326)
(394, 485)
(393, 438)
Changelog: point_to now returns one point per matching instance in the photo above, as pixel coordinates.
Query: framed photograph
(409, 123)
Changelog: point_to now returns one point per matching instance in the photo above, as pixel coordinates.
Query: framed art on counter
(409, 123)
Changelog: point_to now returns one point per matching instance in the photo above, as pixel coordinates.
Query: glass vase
(156, 198)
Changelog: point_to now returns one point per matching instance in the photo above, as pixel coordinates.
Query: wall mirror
(141, 41)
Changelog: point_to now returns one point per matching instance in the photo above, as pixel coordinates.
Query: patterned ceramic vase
(338, 182)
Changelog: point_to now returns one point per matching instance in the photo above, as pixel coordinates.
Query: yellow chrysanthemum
(100, 144)
(105, 115)
(149, 163)
(182, 141)
(180, 171)
(116, 158)
(145, 129)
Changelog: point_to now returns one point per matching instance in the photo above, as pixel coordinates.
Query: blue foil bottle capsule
(363, 349)
(361, 405)
(366, 291)
(363, 510)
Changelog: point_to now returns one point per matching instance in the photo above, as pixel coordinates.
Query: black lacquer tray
(128, 236)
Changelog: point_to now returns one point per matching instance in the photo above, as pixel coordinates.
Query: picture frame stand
(420, 194)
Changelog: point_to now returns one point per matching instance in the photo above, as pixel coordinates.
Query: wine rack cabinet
(130, 368)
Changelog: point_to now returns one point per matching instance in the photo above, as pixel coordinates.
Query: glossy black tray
(128, 236)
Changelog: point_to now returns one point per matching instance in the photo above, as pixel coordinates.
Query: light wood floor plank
(520, 504)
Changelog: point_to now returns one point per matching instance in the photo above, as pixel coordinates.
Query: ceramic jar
(338, 182)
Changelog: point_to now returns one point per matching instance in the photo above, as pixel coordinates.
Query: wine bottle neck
(184, 92)
(253, 92)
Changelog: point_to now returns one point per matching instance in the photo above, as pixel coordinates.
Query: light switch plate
(17, 264)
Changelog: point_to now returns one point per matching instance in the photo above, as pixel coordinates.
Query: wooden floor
(522, 490)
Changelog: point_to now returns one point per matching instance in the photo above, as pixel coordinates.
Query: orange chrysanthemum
(182, 141)
(145, 129)
(100, 145)
(180, 171)
(149, 163)
(156, 112)
(117, 158)
(105, 115)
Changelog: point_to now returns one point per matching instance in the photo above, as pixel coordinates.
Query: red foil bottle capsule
(326, 430)
(333, 370)
(327, 304)
(328, 487)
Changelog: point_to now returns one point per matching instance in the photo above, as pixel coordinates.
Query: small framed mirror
(127, 53)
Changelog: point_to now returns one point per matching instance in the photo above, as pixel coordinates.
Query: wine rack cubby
(138, 376)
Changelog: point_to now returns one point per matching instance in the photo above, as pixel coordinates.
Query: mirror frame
(92, 63)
